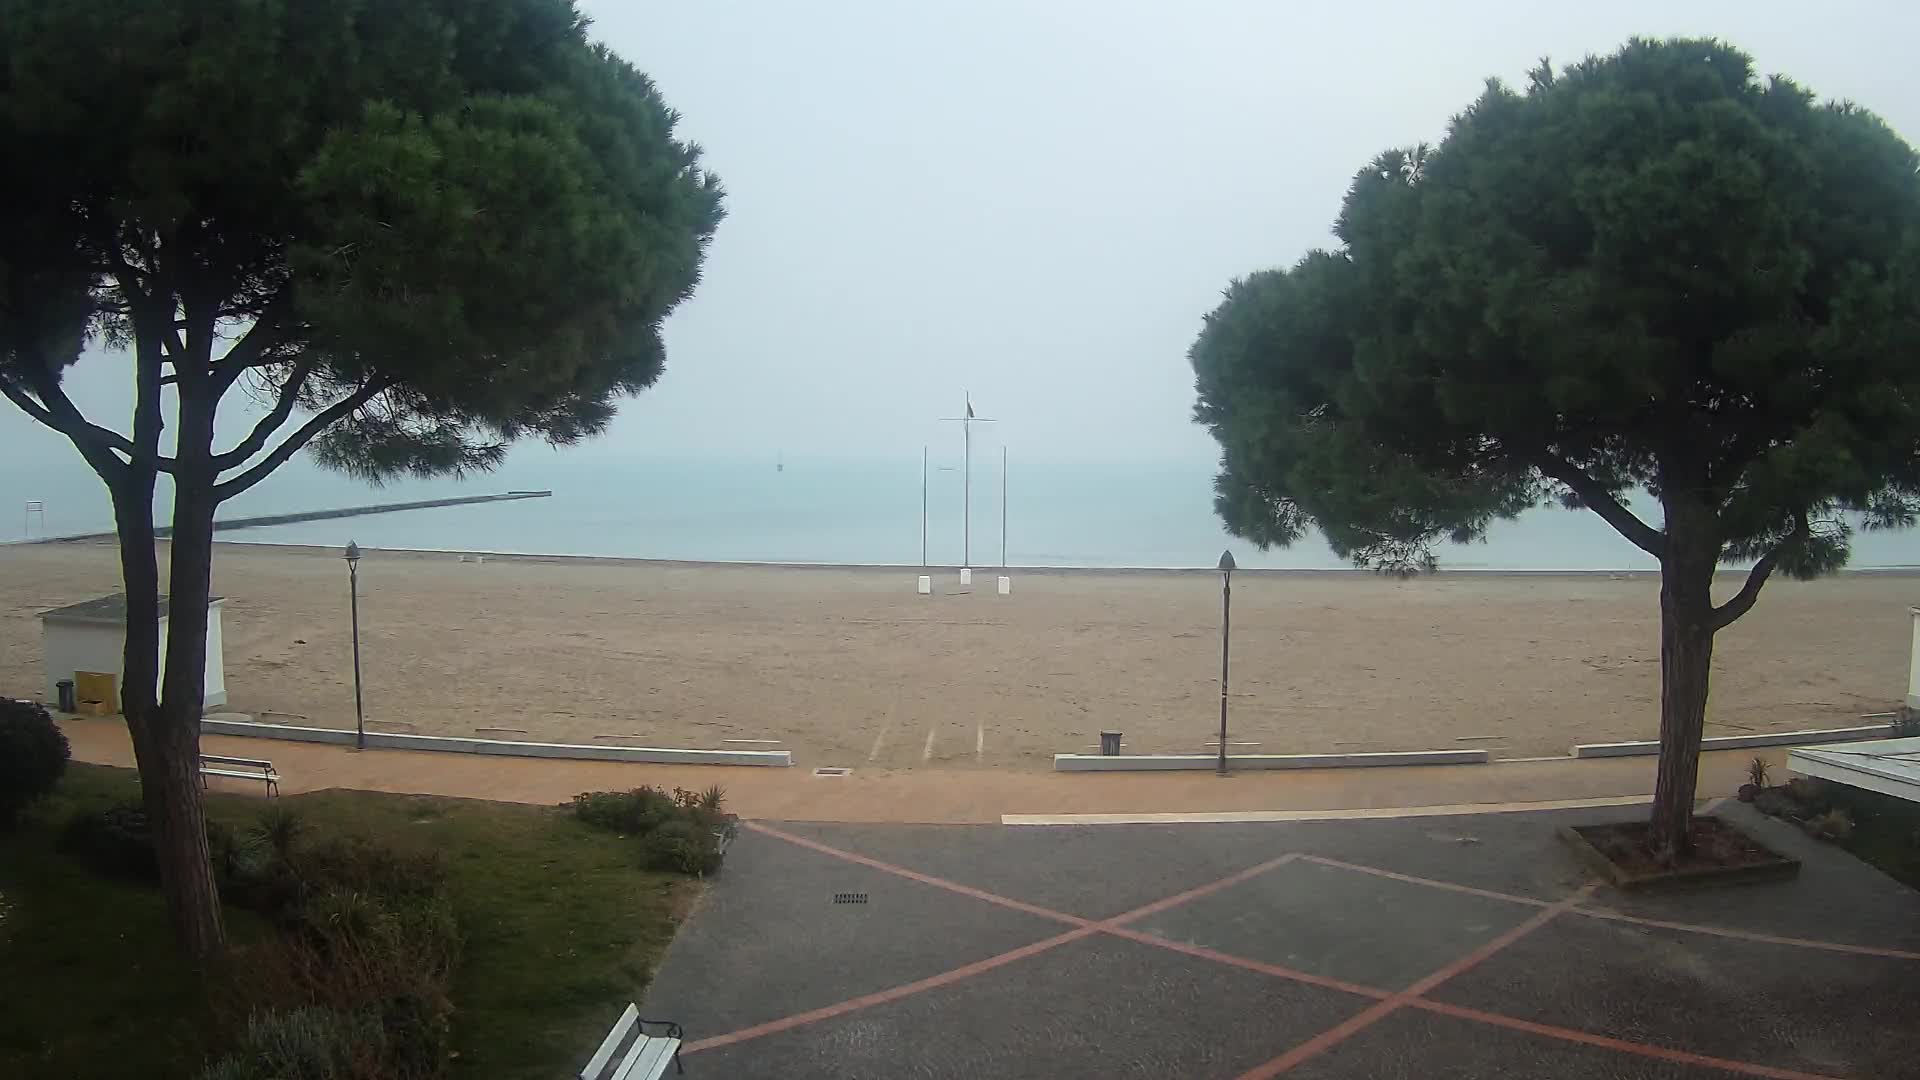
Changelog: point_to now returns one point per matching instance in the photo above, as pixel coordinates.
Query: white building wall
(70, 647)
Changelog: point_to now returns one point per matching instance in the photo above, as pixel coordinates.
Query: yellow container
(98, 692)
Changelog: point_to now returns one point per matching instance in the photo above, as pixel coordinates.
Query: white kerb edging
(1165, 762)
(387, 740)
(1735, 742)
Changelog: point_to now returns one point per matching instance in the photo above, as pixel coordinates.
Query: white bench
(240, 768)
(629, 1053)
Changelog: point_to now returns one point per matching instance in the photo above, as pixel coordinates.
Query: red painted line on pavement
(915, 875)
(1260, 966)
(1085, 928)
(1621, 916)
(1431, 883)
(1747, 935)
(881, 997)
(1367, 1017)
(1624, 1046)
(1177, 899)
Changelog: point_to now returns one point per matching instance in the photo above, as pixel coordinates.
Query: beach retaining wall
(1163, 762)
(386, 740)
(1738, 742)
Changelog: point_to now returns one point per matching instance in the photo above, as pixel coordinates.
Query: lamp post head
(1226, 562)
(353, 553)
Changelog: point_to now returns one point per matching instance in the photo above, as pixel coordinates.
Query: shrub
(344, 950)
(278, 829)
(33, 755)
(685, 846)
(1806, 790)
(419, 1035)
(116, 841)
(305, 1044)
(632, 812)
(1835, 825)
(1757, 772)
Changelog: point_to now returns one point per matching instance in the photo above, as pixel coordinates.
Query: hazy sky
(1039, 201)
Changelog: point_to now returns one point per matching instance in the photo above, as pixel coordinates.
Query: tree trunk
(1686, 661)
(173, 789)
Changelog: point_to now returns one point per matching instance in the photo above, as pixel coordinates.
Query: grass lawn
(561, 930)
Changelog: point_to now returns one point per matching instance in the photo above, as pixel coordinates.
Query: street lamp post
(1226, 634)
(353, 591)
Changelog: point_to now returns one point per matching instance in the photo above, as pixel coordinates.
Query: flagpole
(1003, 506)
(966, 421)
(923, 508)
(966, 491)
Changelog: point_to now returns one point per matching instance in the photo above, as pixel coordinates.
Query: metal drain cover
(832, 770)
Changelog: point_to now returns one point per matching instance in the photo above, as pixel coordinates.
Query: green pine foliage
(1653, 270)
(1650, 272)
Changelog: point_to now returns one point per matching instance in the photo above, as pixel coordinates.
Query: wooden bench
(629, 1053)
(240, 768)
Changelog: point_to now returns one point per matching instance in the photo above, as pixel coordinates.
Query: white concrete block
(1241, 762)
(925, 588)
(966, 576)
(1649, 747)
(1006, 585)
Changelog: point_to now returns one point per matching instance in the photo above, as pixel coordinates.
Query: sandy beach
(849, 667)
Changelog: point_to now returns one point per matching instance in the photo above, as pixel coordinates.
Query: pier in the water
(361, 511)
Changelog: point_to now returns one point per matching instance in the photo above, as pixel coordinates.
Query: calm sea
(823, 511)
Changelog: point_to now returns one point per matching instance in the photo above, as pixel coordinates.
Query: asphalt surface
(1421, 947)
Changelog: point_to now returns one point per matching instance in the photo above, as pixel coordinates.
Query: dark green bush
(33, 755)
(684, 846)
(632, 812)
(676, 831)
(118, 842)
(306, 1044)
(419, 1034)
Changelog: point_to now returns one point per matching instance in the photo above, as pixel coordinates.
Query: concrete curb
(386, 740)
(1738, 742)
(1161, 762)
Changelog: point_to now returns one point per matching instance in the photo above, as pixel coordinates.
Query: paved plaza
(1418, 947)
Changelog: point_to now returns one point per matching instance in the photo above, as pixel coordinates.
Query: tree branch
(1743, 601)
(57, 411)
(320, 421)
(1601, 501)
(270, 423)
(246, 353)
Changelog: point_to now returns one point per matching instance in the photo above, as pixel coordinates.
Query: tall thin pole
(1226, 639)
(966, 490)
(1003, 506)
(359, 712)
(966, 421)
(923, 508)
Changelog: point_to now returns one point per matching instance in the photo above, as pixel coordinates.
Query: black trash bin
(68, 703)
(1109, 744)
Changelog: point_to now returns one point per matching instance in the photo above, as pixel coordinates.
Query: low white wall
(386, 740)
(1241, 762)
(1737, 742)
